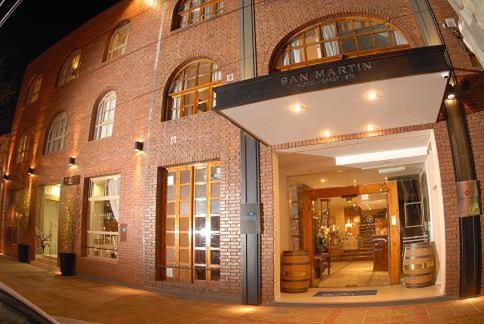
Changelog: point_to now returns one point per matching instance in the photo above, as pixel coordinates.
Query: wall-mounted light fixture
(138, 146)
(6, 177)
(31, 171)
(451, 92)
(72, 161)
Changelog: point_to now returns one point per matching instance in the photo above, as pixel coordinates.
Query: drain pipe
(466, 185)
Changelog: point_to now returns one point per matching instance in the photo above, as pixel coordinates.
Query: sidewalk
(98, 302)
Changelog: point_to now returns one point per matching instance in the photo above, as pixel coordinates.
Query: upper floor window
(57, 134)
(191, 90)
(119, 42)
(23, 148)
(103, 126)
(331, 40)
(70, 70)
(193, 11)
(34, 89)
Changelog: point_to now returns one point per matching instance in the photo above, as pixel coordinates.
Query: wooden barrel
(295, 271)
(418, 265)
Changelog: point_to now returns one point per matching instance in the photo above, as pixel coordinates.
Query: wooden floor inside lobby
(105, 303)
(353, 274)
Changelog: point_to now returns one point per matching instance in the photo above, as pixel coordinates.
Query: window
(57, 134)
(330, 40)
(23, 148)
(191, 90)
(193, 11)
(119, 42)
(102, 233)
(192, 244)
(34, 90)
(105, 116)
(70, 70)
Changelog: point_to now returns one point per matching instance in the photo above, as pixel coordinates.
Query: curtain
(113, 190)
(329, 32)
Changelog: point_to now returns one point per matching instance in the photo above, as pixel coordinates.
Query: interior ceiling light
(327, 133)
(370, 127)
(372, 95)
(323, 180)
(391, 170)
(381, 156)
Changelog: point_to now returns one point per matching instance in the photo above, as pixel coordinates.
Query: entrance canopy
(363, 94)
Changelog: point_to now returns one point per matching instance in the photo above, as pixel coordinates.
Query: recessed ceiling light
(370, 127)
(323, 180)
(297, 108)
(339, 171)
(327, 133)
(373, 95)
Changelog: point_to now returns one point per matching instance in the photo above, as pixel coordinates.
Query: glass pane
(331, 49)
(170, 208)
(214, 257)
(216, 172)
(296, 56)
(364, 42)
(216, 190)
(215, 274)
(348, 45)
(98, 189)
(200, 207)
(170, 254)
(215, 221)
(170, 224)
(313, 52)
(200, 240)
(171, 193)
(382, 40)
(328, 32)
(204, 79)
(199, 223)
(215, 241)
(311, 36)
(184, 192)
(204, 67)
(200, 191)
(200, 273)
(184, 176)
(200, 256)
(103, 217)
(215, 206)
(188, 99)
(185, 256)
(184, 223)
(200, 175)
(170, 239)
(184, 208)
(170, 180)
(184, 240)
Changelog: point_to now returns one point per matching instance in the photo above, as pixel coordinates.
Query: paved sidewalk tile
(105, 303)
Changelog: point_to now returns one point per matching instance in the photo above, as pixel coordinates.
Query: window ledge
(98, 259)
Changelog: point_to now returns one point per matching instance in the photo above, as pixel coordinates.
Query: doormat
(342, 293)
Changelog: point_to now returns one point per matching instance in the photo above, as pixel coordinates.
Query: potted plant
(72, 221)
(22, 214)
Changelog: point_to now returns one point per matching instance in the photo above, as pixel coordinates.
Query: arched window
(118, 42)
(191, 90)
(103, 126)
(23, 148)
(193, 11)
(34, 89)
(57, 134)
(331, 40)
(70, 70)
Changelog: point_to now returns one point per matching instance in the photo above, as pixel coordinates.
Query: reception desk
(380, 253)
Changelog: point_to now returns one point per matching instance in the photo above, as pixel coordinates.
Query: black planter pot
(67, 262)
(23, 253)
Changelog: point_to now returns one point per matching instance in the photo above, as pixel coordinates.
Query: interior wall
(278, 221)
(339, 216)
(436, 204)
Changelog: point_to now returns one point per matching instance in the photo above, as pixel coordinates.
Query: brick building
(116, 155)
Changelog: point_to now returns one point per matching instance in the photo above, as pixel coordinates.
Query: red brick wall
(140, 89)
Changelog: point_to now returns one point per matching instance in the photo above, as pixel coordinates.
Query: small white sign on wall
(169, 272)
(172, 140)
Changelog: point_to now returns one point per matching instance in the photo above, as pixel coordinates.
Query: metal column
(249, 170)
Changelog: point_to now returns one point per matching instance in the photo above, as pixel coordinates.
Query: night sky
(33, 27)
